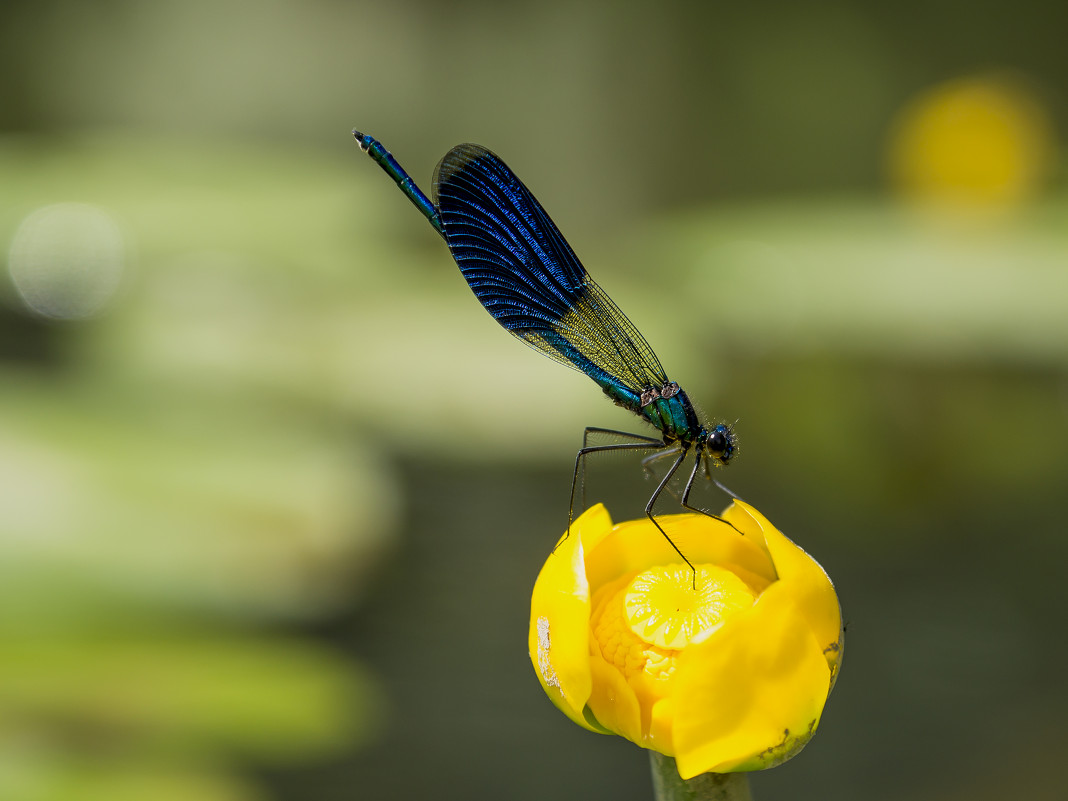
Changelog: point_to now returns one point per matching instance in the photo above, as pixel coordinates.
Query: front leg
(632, 441)
(649, 460)
(686, 497)
(637, 442)
(652, 502)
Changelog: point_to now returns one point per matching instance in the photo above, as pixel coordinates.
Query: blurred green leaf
(861, 277)
(186, 694)
(32, 773)
(181, 503)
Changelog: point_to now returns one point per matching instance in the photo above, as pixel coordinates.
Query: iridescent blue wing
(523, 271)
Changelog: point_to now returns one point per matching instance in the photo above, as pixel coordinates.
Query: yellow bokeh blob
(977, 143)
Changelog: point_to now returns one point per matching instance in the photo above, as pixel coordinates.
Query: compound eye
(720, 444)
(717, 443)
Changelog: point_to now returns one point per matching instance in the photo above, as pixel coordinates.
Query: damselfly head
(720, 444)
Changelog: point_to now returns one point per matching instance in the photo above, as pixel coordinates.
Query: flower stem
(669, 786)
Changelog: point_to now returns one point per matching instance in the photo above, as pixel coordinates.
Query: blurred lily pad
(186, 694)
(866, 277)
(146, 504)
(146, 717)
(34, 773)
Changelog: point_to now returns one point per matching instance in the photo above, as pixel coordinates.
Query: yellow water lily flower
(729, 676)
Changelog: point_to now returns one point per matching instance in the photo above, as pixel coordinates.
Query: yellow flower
(729, 677)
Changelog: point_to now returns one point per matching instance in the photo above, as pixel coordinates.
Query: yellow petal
(750, 695)
(809, 584)
(661, 722)
(559, 617)
(744, 518)
(613, 701)
(637, 544)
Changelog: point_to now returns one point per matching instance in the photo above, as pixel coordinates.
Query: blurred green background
(275, 490)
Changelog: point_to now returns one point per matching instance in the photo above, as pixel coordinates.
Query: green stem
(669, 786)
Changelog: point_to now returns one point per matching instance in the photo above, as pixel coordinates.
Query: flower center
(662, 607)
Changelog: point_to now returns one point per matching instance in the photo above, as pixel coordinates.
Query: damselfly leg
(631, 442)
